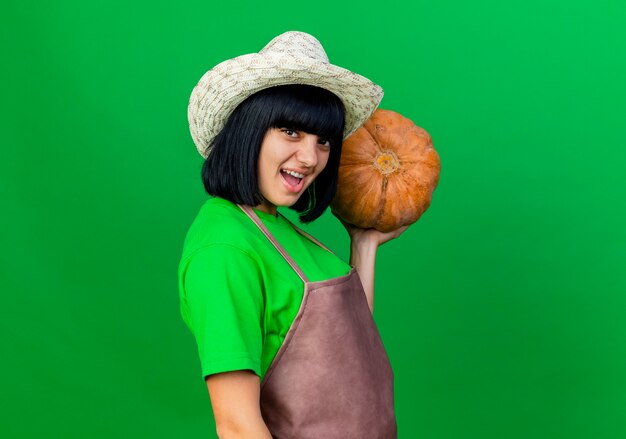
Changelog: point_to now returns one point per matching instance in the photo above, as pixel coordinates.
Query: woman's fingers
(388, 236)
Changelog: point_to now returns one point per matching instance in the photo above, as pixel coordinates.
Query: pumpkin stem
(386, 162)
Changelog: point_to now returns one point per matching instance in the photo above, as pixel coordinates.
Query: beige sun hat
(290, 58)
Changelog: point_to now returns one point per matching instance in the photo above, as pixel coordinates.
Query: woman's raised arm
(364, 244)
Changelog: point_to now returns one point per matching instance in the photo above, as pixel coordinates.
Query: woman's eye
(289, 132)
(324, 142)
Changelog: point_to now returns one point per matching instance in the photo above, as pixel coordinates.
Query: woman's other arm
(235, 400)
(364, 244)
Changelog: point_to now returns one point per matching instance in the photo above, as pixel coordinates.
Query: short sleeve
(222, 303)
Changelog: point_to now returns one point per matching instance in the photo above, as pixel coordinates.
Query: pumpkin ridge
(373, 138)
(410, 179)
(424, 164)
(383, 200)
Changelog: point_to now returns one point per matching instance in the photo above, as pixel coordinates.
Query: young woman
(285, 334)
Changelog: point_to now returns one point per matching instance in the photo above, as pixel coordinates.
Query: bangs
(307, 108)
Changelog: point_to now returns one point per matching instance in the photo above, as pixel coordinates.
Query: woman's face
(289, 161)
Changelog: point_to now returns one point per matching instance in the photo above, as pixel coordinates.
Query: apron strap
(254, 217)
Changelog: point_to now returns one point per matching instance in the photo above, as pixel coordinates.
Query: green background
(502, 309)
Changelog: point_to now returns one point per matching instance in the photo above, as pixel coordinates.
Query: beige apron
(331, 377)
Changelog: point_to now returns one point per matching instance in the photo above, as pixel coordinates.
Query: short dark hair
(231, 169)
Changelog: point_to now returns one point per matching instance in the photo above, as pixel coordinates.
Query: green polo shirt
(238, 295)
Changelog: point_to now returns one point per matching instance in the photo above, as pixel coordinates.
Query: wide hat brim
(225, 86)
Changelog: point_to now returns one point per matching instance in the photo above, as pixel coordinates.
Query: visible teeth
(294, 173)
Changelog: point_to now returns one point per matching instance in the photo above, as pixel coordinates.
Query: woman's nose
(307, 152)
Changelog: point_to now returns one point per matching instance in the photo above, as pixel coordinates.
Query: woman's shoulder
(219, 222)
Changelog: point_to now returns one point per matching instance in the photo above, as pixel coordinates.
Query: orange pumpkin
(387, 173)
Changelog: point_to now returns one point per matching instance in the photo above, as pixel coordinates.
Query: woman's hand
(363, 246)
(370, 236)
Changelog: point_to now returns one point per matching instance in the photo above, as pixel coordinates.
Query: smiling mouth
(292, 179)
